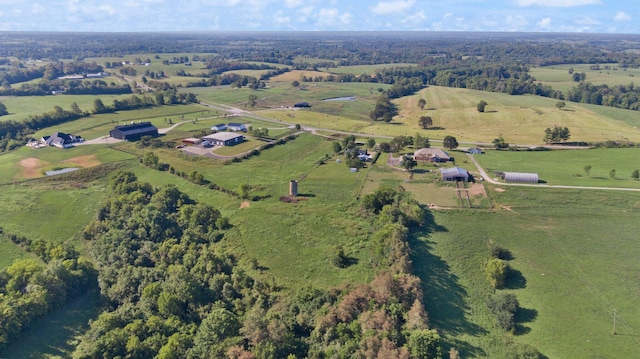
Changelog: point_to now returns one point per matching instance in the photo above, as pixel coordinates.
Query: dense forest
(171, 291)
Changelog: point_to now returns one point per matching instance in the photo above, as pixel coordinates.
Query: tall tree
(422, 103)
(3, 109)
(425, 122)
(450, 142)
(481, 106)
(98, 106)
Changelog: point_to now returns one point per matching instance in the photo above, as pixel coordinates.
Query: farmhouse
(232, 126)
(223, 139)
(454, 174)
(134, 131)
(520, 177)
(431, 155)
(60, 140)
(475, 151)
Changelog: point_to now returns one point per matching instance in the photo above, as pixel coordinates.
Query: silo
(293, 188)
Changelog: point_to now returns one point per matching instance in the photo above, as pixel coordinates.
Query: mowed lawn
(519, 119)
(567, 167)
(574, 259)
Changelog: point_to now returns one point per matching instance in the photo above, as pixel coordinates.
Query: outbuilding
(224, 139)
(520, 177)
(454, 174)
(219, 127)
(134, 131)
(232, 126)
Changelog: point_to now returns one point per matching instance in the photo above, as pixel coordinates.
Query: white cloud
(108, 9)
(557, 3)
(516, 21)
(416, 18)
(332, 17)
(279, 18)
(390, 7)
(544, 23)
(293, 3)
(587, 21)
(622, 16)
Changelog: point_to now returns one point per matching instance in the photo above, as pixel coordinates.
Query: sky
(589, 16)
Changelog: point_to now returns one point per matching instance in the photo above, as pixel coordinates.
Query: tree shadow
(524, 315)
(435, 128)
(445, 297)
(515, 280)
(54, 334)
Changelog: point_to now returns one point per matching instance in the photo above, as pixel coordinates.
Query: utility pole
(614, 322)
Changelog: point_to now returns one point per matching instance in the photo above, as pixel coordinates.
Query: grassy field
(566, 167)
(571, 273)
(558, 76)
(520, 119)
(21, 107)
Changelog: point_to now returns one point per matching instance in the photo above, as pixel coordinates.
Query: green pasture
(566, 167)
(558, 77)
(48, 211)
(10, 252)
(21, 107)
(571, 272)
(520, 119)
(293, 240)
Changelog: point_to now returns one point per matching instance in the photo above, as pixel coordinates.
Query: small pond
(345, 98)
(59, 172)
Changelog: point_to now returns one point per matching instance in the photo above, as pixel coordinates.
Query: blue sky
(601, 16)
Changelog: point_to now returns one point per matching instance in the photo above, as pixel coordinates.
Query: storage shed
(134, 131)
(454, 174)
(224, 139)
(520, 177)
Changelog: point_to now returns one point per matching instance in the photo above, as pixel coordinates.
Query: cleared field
(565, 258)
(21, 107)
(566, 167)
(27, 163)
(520, 119)
(558, 76)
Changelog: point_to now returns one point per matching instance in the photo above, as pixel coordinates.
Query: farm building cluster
(58, 139)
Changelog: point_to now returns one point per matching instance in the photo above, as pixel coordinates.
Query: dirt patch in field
(476, 189)
(83, 161)
(245, 204)
(295, 75)
(31, 167)
(498, 189)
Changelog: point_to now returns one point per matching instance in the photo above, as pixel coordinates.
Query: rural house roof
(136, 128)
(222, 136)
(431, 153)
(454, 172)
